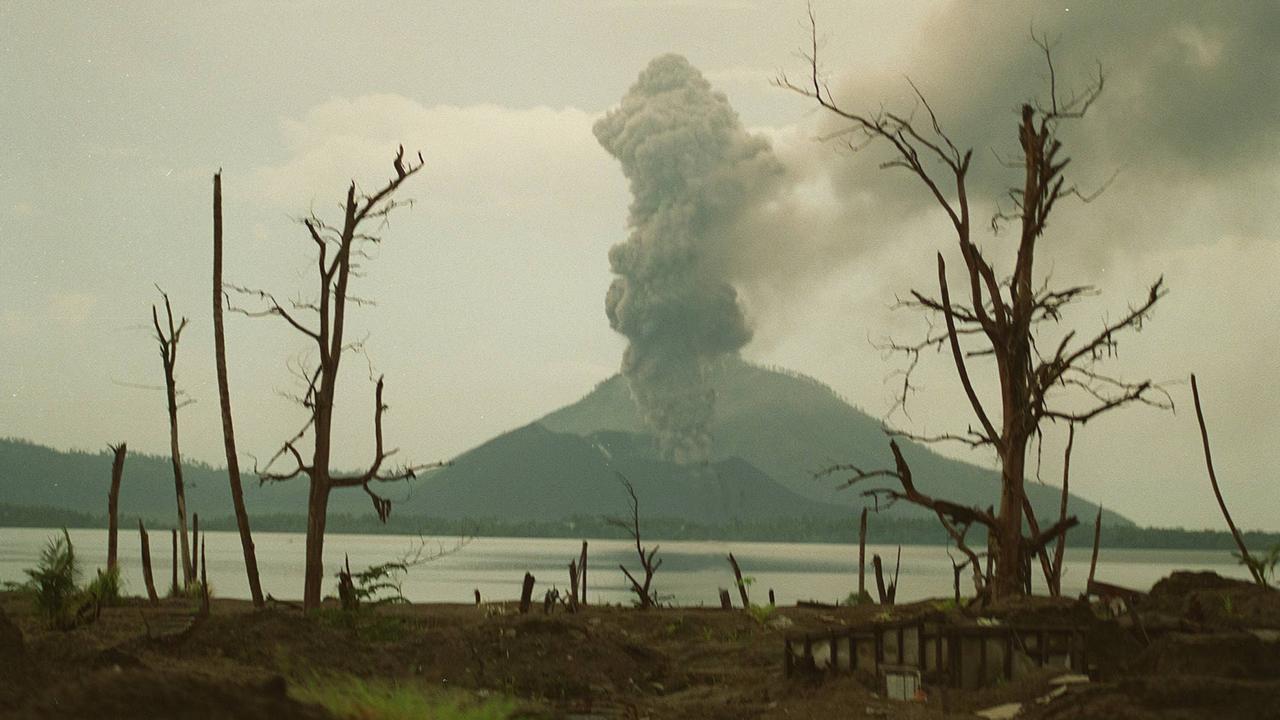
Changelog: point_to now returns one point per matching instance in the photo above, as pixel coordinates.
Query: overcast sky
(491, 288)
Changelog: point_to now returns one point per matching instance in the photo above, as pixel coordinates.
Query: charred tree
(1054, 579)
(742, 585)
(174, 588)
(147, 578)
(322, 320)
(224, 398)
(1255, 569)
(113, 502)
(1002, 316)
(644, 590)
(167, 337)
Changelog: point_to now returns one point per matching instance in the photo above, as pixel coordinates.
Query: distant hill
(772, 430)
(37, 476)
(533, 473)
(790, 425)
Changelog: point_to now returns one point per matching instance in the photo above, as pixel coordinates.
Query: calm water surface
(691, 573)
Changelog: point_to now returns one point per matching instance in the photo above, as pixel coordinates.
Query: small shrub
(375, 585)
(1264, 565)
(761, 613)
(105, 589)
(53, 583)
(856, 599)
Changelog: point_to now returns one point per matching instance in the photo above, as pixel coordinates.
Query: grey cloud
(693, 170)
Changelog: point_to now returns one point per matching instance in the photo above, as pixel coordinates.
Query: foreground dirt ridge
(1206, 657)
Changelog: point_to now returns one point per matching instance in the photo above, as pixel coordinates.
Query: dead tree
(862, 556)
(526, 593)
(1255, 569)
(643, 590)
(1054, 578)
(174, 588)
(1097, 538)
(168, 336)
(147, 578)
(742, 585)
(195, 542)
(582, 573)
(1002, 317)
(113, 502)
(224, 398)
(322, 320)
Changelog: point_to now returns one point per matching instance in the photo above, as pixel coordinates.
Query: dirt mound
(1174, 697)
(1182, 583)
(1212, 601)
(1225, 655)
(1041, 611)
(12, 651)
(15, 670)
(552, 657)
(156, 694)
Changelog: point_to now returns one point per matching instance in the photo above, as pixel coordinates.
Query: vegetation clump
(54, 586)
(358, 699)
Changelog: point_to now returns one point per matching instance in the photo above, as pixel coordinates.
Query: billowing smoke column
(693, 171)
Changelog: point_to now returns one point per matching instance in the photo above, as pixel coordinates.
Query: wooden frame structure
(958, 656)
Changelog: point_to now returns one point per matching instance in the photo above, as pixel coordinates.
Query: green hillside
(789, 426)
(37, 476)
(533, 473)
(772, 430)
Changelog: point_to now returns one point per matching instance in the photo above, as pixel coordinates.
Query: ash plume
(694, 173)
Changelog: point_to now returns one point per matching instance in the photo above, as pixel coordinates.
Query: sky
(490, 290)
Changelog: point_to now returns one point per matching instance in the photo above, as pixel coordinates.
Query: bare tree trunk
(880, 590)
(179, 489)
(195, 544)
(573, 586)
(1097, 536)
(742, 586)
(169, 354)
(173, 584)
(204, 584)
(862, 556)
(582, 573)
(1059, 550)
(1010, 569)
(1217, 493)
(113, 502)
(224, 396)
(526, 593)
(317, 515)
(146, 565)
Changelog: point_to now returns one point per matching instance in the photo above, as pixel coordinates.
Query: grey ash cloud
(694, 171)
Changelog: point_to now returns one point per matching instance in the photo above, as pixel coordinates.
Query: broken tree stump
(771, 600)
(526, 594)
(113, 502)
(573, 586)
(204, 584)
(582, 574)
(725, 602)
(862, 556)
(195, 543)
(477, 597)
(742, 586)
(875, 563)
(173, 586)
(146, 565)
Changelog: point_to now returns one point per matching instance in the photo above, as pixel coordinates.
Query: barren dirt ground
(139, 661)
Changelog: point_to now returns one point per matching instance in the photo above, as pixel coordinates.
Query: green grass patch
(352, 698)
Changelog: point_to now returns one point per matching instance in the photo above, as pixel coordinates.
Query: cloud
(480, 159)
(71, 308)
